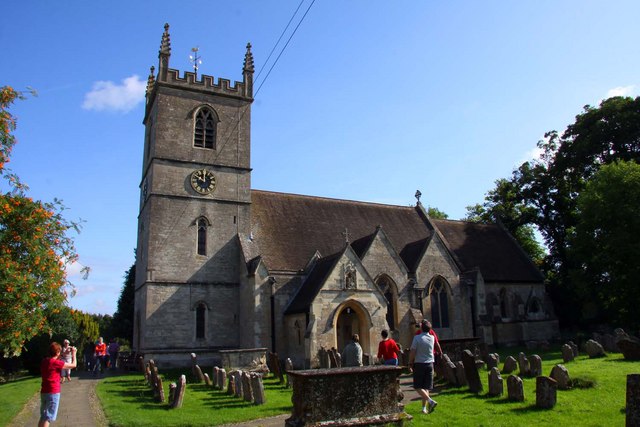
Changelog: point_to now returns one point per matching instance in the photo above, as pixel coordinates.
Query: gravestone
(535, 366)
(546, 391)
(199, 377)
(332, 358)
(561, 375)
(510, 365)
(574, 347)
(231, 387)
(142, 366)
(449, 370)
(258, 389)
(496, 385)
(239, 384)
(461, 377)
(493, 360)
(594, 349)
(247, 393)
(523, 365)
(633, 400)
(194, 363)
(160, 393)
(630, 347)
(178, 394)
(471, 372)
(222, 378)
(288, 366)
(567, 353)
(215, 377)
(172, 393)
(275, 365)
(207, 380)
(515, 388)
(339, 359)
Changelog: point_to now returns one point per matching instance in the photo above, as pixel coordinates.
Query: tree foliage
(123, 317)
(436, 213)
(35, 249)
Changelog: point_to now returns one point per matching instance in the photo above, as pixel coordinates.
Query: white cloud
(621, 91)
(108, 96)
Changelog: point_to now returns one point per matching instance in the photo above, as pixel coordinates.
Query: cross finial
(346, 235)
(418, 195)
(195, 60)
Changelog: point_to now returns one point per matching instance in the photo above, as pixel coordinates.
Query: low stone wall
(346, 397)
(252, 359)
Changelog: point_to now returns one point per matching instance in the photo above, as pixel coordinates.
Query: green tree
(35, 249)
(123, 317)
(605, 240)
(436, 213)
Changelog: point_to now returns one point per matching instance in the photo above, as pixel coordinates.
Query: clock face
(203, 181)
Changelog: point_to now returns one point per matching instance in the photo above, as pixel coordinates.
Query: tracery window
(439, 304)
(202, 236)
(205, 129)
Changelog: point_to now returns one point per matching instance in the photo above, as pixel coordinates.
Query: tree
(605, 240)
(123, 317)
(34, 250)
(436, 213)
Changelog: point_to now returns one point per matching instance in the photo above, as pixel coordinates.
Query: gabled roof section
(412, 253)
(308, 291)
(290, 228)
(489, 248)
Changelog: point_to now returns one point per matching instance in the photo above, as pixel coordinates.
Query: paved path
(79, 406)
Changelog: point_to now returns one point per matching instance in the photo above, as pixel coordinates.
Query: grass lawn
(14, 395)
(599, 401)
(128, 401)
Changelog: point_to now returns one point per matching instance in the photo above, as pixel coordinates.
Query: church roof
(307, 293)
(290, 228)
(489, 248)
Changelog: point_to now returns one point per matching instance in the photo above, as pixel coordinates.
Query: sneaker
(424, 410)
(432, 406)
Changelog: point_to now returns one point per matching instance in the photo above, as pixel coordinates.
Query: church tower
(195, 197)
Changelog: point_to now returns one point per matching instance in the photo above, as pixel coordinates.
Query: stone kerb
(346, 396)
(546, 392)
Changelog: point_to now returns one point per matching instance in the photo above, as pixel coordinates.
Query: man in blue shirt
(421, 362)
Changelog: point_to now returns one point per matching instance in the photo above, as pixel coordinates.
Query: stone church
(222, 266)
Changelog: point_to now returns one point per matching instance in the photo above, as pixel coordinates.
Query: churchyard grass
(14, 394)
(128, 401)
(599, 400)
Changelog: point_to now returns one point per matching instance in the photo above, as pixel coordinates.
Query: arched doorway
(352, 319)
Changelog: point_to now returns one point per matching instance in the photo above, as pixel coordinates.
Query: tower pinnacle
(164, 54)
(247, 72)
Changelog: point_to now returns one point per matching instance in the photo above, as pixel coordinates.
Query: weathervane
(195, 60)
(418, 195)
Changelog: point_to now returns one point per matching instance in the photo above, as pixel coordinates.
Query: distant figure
(50, 369)
(100, 354)
(437, 350)
(113, 350)
(388, 349)
(65, 356)
(421, 362)
(352, 353)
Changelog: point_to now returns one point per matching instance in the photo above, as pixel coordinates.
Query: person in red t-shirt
(388, 349)
(50, 369)
(100, 355)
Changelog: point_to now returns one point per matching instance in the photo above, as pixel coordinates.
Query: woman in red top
(388, 349)
(50, 368)
(100, 354)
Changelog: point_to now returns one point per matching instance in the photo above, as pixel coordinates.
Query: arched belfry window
(204, 135)
(201, 312)
(201, 244)
(439, 303)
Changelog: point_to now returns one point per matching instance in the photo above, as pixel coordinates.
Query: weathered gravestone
(629, 346)
(346, 397)
(567, 353)
(633, 400)
(257, 389)
(177, 395)
(199, 377)
(496, 385)
(159, 391)
(471, 372)
(546, 391)
(574, 347)
(510, 365)
(561, 375)
(231, 387)
(535, 366)
(493, 361)
(238, 383)
(222, 378)
(523, 365)
(247, 392)
(215, 377)
(461, 378)
(275, 366)
(594, 349)
(450, 370)
(515, 388)
(207, 380)
(288, 366)
(194, 363)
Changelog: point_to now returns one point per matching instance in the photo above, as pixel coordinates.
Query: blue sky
(370, 101)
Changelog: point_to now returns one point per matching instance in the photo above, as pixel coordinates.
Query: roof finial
(346, 235)
(418, 195)
(195, 60)
(165, 44)
(151, 80)
(248, 60)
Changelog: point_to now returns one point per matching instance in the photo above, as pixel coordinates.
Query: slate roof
(290, 228)
(489, 248)
(307, 293)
